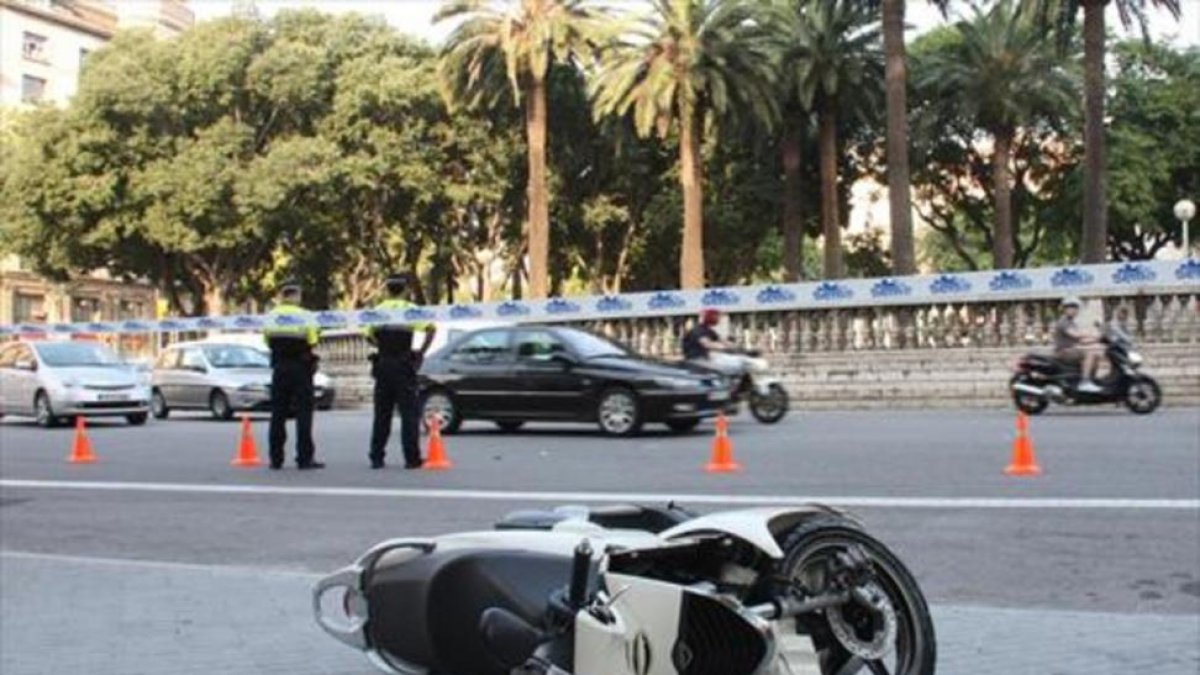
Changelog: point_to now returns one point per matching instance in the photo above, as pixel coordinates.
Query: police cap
(396, 282)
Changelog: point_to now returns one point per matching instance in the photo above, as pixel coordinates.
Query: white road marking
(162, 565)
(615, 497)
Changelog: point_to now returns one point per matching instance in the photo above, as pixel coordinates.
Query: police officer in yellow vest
(394, 368)
(293, 363)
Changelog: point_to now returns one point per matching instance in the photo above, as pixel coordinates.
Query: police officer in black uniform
(293, 363)
(394, 368)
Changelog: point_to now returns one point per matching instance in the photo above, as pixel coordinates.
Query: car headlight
(676, 383)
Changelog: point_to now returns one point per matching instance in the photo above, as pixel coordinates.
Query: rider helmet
(710, 317)
(1071, 301)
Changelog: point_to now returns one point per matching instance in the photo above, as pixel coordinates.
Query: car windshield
(591, 346)
(236, 356)
(68, 354)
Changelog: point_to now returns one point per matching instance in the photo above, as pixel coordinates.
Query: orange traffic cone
(247, 451)
(435, 455)
(722, 450)
(81, 447)
(1023, 462)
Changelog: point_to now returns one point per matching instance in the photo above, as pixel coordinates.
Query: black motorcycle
(1040, 379)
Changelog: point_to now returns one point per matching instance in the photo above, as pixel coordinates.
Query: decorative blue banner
(1050, 282)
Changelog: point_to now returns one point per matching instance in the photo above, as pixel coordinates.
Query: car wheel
(683, 426)
(618, 413)
(137, 419)
(218, 404)
(43, 413)
(440, 404)
(509, 426)
(158, 405)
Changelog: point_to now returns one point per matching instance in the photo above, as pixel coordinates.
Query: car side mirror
(198, 369)
(564, 360)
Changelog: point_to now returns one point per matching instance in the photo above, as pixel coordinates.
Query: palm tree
(838, 65)
(1001, 73)
(495, 51)
(795, 122)
(684, 62)
(896, 87)
(1060, 16)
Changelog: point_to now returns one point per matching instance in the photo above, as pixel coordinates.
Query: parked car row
(54, 382)
(505, 374)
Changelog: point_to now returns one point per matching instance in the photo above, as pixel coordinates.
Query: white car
(222, 377)
(56, 381)
(322, 383)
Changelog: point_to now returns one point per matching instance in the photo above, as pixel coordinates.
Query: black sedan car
(515, 374)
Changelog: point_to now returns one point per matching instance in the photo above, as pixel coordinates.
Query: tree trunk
(793, 216)
(830, 222)
(214, 299)
(1002, 234)
(539, 210)
(1095, 227)
(897, 137)
(691, 256)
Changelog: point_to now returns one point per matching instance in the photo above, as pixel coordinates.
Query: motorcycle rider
(1073, 345)
(703, 346)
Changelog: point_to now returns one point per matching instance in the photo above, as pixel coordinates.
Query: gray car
(54, 382)
(223, 378)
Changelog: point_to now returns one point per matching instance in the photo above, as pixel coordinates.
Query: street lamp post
(1185, 210)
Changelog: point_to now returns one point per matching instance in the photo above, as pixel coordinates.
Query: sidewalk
(107, 617)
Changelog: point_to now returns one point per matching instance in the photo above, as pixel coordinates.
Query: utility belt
(286, 349)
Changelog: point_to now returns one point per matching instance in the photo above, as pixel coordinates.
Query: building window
(84, 310)
(28, 307)
(83, 54)
(131, 309)
(34, 47)
(33, 89)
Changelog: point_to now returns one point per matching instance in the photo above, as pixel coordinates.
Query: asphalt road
(1109, 533)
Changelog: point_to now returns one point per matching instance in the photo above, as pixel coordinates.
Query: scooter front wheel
(886, 626)
(1143, 396)
(769, 407)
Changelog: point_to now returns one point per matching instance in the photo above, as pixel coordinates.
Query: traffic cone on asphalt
(435, 454)
(247, 451)
(1023, 462)
(722, 449)
(81, 447)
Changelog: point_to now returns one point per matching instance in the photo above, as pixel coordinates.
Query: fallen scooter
(631, 590)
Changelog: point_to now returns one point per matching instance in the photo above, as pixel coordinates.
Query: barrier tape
(1084, 280)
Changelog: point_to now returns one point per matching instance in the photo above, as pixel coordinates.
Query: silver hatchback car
(223, 378)
(56, 381)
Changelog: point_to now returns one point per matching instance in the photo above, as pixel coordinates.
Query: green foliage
(1154, 146)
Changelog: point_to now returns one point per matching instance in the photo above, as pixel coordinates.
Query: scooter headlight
(1135, 359)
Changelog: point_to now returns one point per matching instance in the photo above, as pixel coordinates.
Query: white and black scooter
(755, 384)
(636, 591)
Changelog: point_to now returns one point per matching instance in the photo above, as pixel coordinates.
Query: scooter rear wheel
(1030, 404)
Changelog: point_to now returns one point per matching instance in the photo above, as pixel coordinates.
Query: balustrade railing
(1170, 317)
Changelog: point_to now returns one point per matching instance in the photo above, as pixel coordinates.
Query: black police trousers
(291, 389)
(396, 389)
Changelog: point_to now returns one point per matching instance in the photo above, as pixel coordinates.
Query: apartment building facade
(43, 46)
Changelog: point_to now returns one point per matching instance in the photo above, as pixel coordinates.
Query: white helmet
(1071, 301)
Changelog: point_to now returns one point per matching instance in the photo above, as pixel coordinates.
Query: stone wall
(908, 378)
